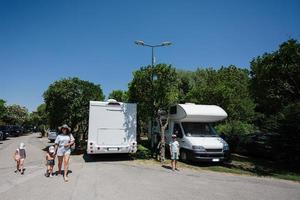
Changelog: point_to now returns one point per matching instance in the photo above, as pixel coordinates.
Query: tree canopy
(15, 115)
(118, 95)
(67, 101)
(153, 89)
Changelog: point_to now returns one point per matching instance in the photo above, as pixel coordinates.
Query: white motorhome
(112, 127)
(197, 138)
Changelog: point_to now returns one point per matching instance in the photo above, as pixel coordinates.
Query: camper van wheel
(183, 156)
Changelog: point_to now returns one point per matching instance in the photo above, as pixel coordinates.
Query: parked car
(2, 135)
(5, 132)
(15, 130)
(52, 134)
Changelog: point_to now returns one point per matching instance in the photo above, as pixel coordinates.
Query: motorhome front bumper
(209, 156)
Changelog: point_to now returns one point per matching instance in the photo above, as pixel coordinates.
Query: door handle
(182, 141)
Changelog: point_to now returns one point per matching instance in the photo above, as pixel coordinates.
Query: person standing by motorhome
(174, 150)
(19, 157)
(50, 161)
(63, 144)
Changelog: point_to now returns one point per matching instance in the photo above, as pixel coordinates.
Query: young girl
(174, 150)
(19, 157)
(50, 159)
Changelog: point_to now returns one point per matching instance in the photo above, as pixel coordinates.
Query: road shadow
(63, 171)
(167, 167)
(106, 157)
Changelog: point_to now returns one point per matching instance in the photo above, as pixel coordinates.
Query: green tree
(38, 118)
(15, 115)
(2, 110)
(118, 95)
(276, 78)
(227, 87)
(186, 81)
(154, 89)
(275, 86)
(67, 101)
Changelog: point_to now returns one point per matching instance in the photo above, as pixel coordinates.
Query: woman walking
(63, 144)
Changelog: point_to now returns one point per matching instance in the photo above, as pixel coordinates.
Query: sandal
(66, 179)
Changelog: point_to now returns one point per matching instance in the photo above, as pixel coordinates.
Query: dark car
(3, 132)
(16, 130)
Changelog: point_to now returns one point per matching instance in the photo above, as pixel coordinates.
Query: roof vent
(113, 102)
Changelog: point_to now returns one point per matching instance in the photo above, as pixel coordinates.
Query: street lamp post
(142, 43)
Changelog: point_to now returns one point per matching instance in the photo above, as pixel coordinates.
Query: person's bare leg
(66, 166)
(60, 161)
(22, 166)
(173, 165)
(176, 165)
(50, 170)
(18, 166)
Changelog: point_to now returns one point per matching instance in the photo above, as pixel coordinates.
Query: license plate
(113, 149)
(215, 159)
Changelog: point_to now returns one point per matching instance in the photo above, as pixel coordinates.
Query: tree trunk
(163, 142)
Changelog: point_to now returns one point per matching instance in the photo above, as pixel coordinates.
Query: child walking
(50, 161)
(19, 157)
(174, 149)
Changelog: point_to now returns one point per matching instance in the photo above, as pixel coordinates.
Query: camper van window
(196, 129)
(173, 110)
(177, 131)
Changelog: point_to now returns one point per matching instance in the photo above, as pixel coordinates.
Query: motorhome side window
(177, 130)
(196, 129)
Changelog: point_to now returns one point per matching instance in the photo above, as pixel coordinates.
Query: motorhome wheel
(183, 156)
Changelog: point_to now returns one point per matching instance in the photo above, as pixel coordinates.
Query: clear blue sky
(46, 40)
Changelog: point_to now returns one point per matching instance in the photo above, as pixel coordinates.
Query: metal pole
(152, 90)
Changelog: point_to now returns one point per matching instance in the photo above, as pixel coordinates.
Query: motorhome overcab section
(112, 127)
(198, 140)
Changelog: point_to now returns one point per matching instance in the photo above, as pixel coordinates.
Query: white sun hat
(22, 145)
(51, 149)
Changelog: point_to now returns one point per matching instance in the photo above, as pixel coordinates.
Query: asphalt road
(104, 178)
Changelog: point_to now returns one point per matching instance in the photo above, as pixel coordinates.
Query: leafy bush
(142, 152)
(236, 133)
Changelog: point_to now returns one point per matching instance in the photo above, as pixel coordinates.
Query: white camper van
(112, 127)
(197, 138)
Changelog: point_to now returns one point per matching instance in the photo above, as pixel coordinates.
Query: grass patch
(241, 165)
(252, 166)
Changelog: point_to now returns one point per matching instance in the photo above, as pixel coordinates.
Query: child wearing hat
(50, 161)
(19, 157)
(174, 150)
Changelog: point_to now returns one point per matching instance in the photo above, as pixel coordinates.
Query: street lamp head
(139, 42)
(166, 43)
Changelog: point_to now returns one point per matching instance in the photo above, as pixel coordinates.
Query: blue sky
(45, 40)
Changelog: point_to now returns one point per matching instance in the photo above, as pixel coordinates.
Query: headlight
(225, 147)
(199, 148)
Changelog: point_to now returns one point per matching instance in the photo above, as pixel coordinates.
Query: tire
(183, 156)
(1, 136)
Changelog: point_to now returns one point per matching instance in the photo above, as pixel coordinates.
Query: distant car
(2, 135)
(5, 132)
(52, 134)
(15, 130)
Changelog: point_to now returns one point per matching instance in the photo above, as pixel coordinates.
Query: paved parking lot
(126, 179)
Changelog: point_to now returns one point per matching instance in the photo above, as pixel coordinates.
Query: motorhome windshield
(197, 129)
